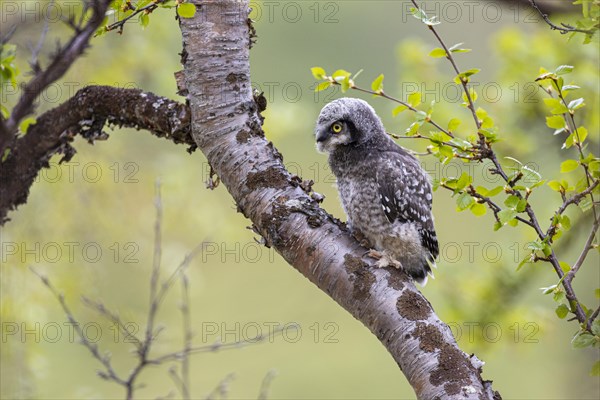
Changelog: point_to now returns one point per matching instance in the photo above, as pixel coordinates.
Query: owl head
(346, 122)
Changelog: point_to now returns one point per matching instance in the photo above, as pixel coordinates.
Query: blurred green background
(88, 224)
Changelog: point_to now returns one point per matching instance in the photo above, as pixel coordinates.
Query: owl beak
(322, 136)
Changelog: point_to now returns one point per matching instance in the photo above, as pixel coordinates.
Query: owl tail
(421, 276)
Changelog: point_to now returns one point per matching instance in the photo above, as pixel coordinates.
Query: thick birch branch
(85, 113)
(226, 126)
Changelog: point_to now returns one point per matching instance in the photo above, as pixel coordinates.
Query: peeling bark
(226, 125)
(85, 114)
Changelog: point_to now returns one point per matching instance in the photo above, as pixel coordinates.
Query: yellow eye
(336, 127)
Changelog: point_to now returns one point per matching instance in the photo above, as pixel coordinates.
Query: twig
(34, 62)
(266, 385)
(586, 248)
(115, 320)
(221, 389)
(463, 81)
(396, 100)
(120, 24)
(61, 62)
(187, 340)
(217, 346)
(565, 28)
(109, 372)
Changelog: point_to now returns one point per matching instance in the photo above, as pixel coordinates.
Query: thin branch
(578, 145)
(147, 9)
(463, 81)
(396, 100)
(188, 336)
(61, 62)
(115, 319)
(217, 346)
(220, 391)
(586, 248)
(266, 385)
(35, 51)
(565, 28)
(109, 373)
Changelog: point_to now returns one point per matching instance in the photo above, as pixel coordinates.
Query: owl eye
(336, 127)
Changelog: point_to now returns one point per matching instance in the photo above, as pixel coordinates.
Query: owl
(385, 193)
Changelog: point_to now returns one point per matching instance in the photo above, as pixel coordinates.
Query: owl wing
(405, 195)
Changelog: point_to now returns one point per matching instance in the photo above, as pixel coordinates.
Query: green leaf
(5, 155)
(377, 84)
(479, 209)
(555, 122)
(493, 192)
(186, 10)
(414, 99)
(457, 49)
(413, 129)
(565, 222)
(580, 135)
(575, 104)
(512, 201)
(318, 73)
(559, 295)
(463, 201)
(555, 106)
(144, 20)
(564, 266)
(595, 369)
(583, 340)
(549, 289)
(473, 95)
(568, 166)
(555, 185)
(546, 75)
(530, 176)
(566, 88)
(399, 109)
(514, 160)
(437, 53)
(463, 144)
(453, 124)
(464, 76)
(596, 327)
(463, 181)
(23, 126)
(536, 246)
(420, 14)
(506, 215)
(322, 86)
(564, 69)
(420, 116)
(597, 294)
(340, 75)
(562, 311)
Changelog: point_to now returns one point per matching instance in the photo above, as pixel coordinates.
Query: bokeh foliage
(496, 311)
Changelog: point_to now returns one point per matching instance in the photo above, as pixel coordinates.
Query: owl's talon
(374, 254)
(383, 259)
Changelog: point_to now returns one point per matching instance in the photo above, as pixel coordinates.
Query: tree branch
(226, 126)
(86, 114)
(562, 29)
(61, 62)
